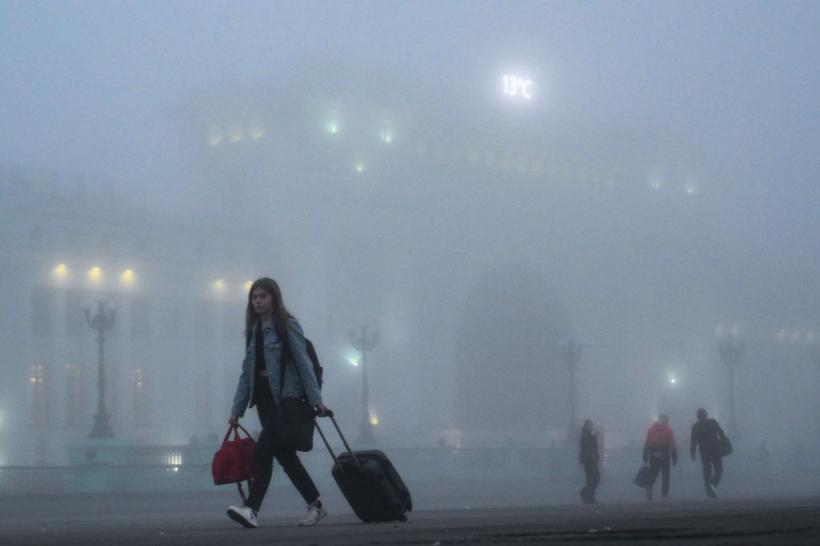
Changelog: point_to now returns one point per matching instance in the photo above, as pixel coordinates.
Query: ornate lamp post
(730, 347)
(571, 353)
(101, 321)
(365, 341)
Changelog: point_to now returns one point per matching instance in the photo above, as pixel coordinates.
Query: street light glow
(360, 167)
(219, 286)
(215, 138)
(95, 274)
(247, 286)
(374, 419)
(236, 135)
(127, 277)
(60, 272)
(256, 132)
(351, 356)
(332, 125)
(386, 133)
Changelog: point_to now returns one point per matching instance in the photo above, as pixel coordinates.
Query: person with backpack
(707, 434)
(658, 450)
(589, 457)
(280, 378)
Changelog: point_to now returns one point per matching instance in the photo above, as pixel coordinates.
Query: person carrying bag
(285, 402)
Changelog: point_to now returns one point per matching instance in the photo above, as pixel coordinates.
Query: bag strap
(235, 429)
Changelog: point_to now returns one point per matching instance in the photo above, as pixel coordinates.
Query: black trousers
(593, 477)
(659, 463)
(712, 471)
(266, 451)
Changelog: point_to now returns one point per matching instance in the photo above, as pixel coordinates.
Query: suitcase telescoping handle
(344, 441)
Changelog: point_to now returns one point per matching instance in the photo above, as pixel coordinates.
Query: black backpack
(314, 358)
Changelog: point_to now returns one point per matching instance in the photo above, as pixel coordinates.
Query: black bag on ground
(370, 483)
(643, 478)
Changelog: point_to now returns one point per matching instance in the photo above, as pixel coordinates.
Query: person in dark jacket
(270, 330)
(707, 434)
(659, 450)
(589, 457)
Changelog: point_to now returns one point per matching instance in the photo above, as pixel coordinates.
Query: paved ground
(199, 520)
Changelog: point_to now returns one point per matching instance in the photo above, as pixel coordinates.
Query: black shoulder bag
(295, 417)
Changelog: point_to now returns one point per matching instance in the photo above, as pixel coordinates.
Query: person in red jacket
(658, 450)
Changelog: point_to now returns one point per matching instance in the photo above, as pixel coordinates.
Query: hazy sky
(101, 89)
(93, 86)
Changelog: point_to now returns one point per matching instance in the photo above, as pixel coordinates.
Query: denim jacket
(273, 360)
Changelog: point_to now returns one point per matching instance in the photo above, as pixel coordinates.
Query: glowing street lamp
(365, 341)
(60, 272)
(127, 277)
(95, 274)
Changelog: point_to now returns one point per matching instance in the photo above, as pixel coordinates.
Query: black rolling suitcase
(370, 483)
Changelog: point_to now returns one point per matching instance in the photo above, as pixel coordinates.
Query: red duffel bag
(233, 462)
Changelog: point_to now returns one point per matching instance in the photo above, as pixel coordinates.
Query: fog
(651, 191)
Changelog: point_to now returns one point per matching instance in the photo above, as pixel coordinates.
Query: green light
(352, 358)
(386, 133)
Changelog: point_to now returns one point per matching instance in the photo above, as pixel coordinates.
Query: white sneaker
(314, 514)
(712, 491)
(243, 515)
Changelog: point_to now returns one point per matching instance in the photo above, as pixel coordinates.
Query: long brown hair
(280, 312)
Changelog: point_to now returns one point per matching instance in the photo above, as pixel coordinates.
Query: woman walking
(589, 458)
(274, 339)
